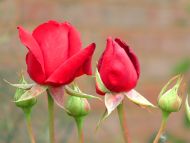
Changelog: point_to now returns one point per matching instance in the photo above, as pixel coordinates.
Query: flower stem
(79, 122)
(165, 116)
(51, 117)
(27, 113)
(123, 123)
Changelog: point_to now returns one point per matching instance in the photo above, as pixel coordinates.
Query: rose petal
(75, 44)
(34, 58)
(27, 39)
(131, 54)
(34, 69)
(53, 40)
(107, 53)
(70, 69)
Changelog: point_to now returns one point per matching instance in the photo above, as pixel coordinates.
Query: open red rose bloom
(118, 67)
(55, 55)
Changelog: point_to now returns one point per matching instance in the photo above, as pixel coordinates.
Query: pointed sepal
(112, 100)
(35, 91)
(24, 86)
(187, 109)
(138, 99)
(168, 100)
(57, 93)
(99, 83)
(27, 104)
(80, 94)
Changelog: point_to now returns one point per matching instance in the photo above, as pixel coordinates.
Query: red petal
(27, 39)
(117, 71)
(72, 67)
(131, 54)
(58, 42)
(107, 53)
(75, 44)
(34, 69)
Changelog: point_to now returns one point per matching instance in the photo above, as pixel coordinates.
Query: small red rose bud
(118, 68)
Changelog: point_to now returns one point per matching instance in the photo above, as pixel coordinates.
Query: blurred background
(157, 30)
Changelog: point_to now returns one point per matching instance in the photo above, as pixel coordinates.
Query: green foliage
(182, 67)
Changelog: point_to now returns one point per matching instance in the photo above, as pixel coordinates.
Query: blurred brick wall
(157, 30)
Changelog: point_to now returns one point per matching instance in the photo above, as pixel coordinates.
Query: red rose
(55, 55)
(118, 67)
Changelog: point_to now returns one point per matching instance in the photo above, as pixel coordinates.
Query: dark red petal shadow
(34, 69)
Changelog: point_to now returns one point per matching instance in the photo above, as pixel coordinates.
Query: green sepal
(77, 104)
(187, 109)
(24, 86)
(100, 83)
(138, 99)
(78, 93)
(168, 100)
(18, 94)
(32, 93)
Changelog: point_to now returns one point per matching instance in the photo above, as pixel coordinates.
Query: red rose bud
(29, 103)
(169, 101)
(55, 55)
(77, 107)
(118, 67)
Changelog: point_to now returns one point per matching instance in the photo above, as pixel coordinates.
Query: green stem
(79, 122)
(165, 116)
(27, 113)
(123, 123)
(51, 117)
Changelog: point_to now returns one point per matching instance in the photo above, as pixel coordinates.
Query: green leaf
(182, 67)
(35, 91)
(72, 92)
(138, 99)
